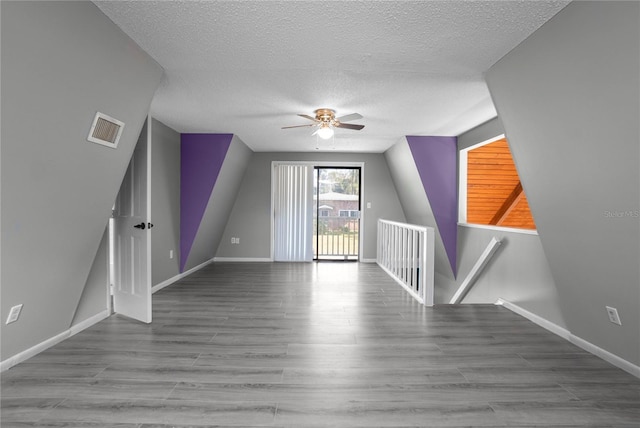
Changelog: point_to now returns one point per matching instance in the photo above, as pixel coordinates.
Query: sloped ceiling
(248, 67)
(569, 101)
(57, 188)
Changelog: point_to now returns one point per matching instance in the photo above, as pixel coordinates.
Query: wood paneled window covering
(495, 195)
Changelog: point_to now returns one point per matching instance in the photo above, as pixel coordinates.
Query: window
(491, 193)
(324, 210)
(349, 213)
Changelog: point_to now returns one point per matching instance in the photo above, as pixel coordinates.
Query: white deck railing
(406, 252)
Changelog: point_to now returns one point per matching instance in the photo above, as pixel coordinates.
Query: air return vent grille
(105, 130)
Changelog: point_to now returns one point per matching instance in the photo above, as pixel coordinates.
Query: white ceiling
(248, 67)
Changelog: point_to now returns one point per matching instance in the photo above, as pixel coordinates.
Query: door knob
(140, 226)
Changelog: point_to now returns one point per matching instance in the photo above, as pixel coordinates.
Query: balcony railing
(336, 238)
(406, 252)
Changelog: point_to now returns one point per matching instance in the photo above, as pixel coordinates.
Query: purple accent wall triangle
(436, 161)
(201, 157)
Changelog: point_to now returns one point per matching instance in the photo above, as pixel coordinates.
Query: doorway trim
(313, 164)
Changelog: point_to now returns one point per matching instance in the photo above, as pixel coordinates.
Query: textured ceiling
(248, 67)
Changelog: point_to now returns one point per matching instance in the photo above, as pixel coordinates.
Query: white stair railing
(406, 253)
(476, 270)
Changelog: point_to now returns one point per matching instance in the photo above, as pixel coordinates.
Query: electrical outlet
(613, 315)
(237, 240)
(14, 313)
(170, 254)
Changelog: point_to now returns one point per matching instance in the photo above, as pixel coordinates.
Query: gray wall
(417, 210)
(569, 100)
(490, 129)
(61, 62)
(96, 289)
(165, 202)
(220, 204)
(250, 219)
(519, 272)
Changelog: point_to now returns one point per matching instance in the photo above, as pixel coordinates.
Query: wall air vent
(105, 130)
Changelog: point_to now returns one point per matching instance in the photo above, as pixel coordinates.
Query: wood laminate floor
(315, 345)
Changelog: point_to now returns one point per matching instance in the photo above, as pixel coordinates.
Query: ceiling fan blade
(299, 126)
(350, 126)
(348, 117)
(306, 116)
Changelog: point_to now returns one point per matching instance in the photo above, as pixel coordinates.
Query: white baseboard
(178, 277)
(25, 355)
(243, 259)
(34, 350)
(267, 260)
(625, 365)
(536, 319)
(617, 361)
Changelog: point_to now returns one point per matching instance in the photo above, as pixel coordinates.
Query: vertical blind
(293, 212)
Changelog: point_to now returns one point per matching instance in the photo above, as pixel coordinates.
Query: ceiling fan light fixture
(325, 121)
(325, 132)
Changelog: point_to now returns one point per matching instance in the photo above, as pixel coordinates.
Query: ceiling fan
(326, 121)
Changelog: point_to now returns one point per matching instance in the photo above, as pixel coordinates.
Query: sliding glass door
(336, 213)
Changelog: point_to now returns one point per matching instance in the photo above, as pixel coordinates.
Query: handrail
(475, 271)
(406, 253)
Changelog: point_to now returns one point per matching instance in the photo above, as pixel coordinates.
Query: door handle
(140, 226)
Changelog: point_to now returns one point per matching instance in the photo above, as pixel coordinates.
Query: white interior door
(132, 238)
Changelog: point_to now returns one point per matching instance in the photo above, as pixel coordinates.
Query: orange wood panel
(491, 179)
